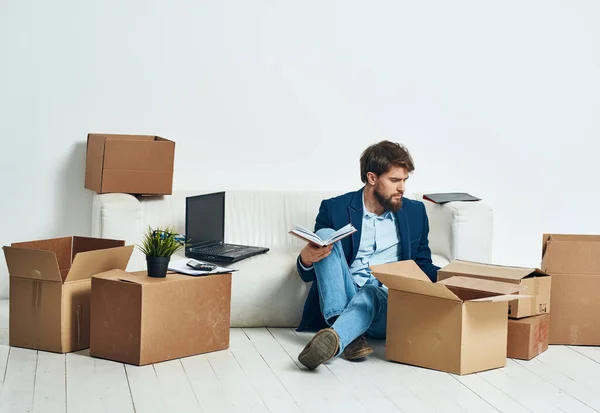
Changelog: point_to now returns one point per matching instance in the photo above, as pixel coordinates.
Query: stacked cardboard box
(458, 325)
(574, 263)
(528, 337)
(528, 324)
(130, 164)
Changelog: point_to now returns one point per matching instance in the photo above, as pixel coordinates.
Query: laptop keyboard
(218, 249)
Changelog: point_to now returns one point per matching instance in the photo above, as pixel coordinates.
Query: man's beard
(387, 203)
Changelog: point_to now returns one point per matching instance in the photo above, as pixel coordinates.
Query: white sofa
(267, 290)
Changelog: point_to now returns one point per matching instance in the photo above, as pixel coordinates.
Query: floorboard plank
(238, 387)
(487, 391)
(267, 385)
(4, 352)
(573, 365)
(50, 383)
(19, 381)
(562, 382)
(519, 389)
(211, 393)
(96, 385)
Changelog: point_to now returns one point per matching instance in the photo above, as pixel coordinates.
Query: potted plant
(158, 245)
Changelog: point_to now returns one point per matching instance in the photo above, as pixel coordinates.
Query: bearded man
(346, 303)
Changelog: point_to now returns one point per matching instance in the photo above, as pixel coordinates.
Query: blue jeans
(349, 309)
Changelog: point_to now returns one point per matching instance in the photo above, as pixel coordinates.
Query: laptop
(205, 231)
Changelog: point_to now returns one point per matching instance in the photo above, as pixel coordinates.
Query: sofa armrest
(118, 216)
(460, 230)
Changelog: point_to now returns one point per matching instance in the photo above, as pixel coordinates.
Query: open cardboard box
(537, 284)
(458, 325)
(50, 289)
(574, 263)
(131, 164)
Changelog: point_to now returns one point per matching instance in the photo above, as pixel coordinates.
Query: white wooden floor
(259, 373)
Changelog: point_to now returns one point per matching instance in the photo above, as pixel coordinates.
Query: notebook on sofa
(443, 198)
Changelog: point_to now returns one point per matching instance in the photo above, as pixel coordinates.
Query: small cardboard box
(131, 164)
(537, 284)
(528, 337)
(457, 325)
(141, 320)
(50, 289)
(574, 263)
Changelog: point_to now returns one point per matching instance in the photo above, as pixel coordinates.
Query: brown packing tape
(128, 281)
(78, 318)
(37, 293)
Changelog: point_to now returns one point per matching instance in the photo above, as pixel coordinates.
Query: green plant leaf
(160, 242)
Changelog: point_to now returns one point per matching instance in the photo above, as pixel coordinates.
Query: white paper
(180, 266)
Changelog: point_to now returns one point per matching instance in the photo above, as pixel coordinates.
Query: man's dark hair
(379, 158)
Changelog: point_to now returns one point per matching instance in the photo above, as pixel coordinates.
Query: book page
(307, 235)
(340, 233)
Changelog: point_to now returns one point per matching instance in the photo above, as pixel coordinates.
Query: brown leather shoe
(323, 346)
(359, 348)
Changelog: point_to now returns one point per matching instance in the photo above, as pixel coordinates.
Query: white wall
(500, 99)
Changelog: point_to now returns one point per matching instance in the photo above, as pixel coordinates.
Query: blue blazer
(413, 227)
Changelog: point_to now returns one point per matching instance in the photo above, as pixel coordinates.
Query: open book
(310, 236)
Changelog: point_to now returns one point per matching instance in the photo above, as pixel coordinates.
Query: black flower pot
(157, 266)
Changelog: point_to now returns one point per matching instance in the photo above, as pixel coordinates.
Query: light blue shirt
(379, 244)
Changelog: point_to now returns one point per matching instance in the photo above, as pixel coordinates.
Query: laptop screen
(205, 219)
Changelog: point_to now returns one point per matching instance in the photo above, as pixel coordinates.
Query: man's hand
(313, 253)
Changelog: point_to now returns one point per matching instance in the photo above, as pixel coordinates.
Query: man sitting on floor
(345, 301)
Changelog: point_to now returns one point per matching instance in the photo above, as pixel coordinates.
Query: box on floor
(131, 164)
(50, 289)
(458, 325)
(574, 263)
(528, 337)
(537, 284)
(140, 320)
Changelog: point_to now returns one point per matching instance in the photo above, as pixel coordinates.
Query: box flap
(482, 285)
(87, 264)
(406, 269)
(571, 254)
(476, 269)
(123, 137)
(93, 162)
(32, 264)
(83, 244)
(61, 247)
(505, 297)
(407, 276)
(140, 277)
(138, 155)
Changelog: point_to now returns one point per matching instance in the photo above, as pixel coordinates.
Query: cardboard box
(574, 263)
(50, 289)
(537, 283)
(528, 337)
(457, 325)
(131, 164)
(141, 320)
